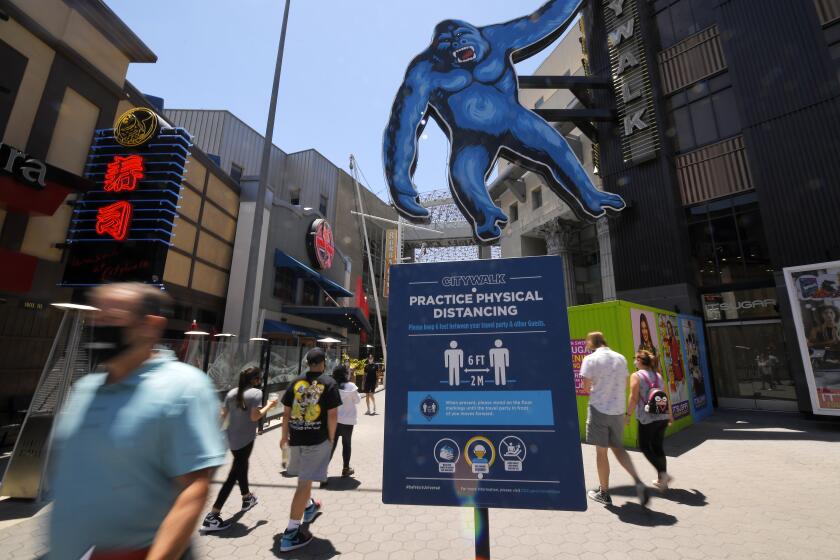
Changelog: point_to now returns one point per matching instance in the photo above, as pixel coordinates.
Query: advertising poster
(693, 343)
(392, 257)
(814, 293)
(579, 351)
(645, 335)
(671, 359)
(481, 410)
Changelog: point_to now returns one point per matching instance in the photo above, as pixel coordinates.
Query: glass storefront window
(285, 285)
(310, 293)
(728, 244)
(749, 361)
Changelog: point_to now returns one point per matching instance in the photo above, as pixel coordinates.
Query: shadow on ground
(341, 484)
(753, 425)
(693, 497)
(236, 529)
(318, 549)
(11, 509)
(634, 514)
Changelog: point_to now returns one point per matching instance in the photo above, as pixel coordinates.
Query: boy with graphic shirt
(310, 418)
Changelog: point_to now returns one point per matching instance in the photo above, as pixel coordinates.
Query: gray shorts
(604, 430)
(310, 462)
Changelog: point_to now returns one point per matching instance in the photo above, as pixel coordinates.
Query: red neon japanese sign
(124, 172)
(114, 220)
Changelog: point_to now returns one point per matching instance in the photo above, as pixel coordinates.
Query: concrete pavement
(748, 486)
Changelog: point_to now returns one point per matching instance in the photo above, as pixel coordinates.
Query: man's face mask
(107, 343)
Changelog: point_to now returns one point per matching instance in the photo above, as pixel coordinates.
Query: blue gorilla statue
(466, 81)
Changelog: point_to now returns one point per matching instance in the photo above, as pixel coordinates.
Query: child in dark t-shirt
(310, 418)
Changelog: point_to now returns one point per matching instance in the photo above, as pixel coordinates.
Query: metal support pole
(245, 329)
(482, 533)
(482, 515)
(399, 240)
(370, 263)
(206, 362)
(265, 362)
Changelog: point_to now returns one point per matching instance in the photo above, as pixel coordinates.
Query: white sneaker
(664, 482)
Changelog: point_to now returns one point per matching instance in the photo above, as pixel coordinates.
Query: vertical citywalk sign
(631, 79)
(122, 230)
(481, 405)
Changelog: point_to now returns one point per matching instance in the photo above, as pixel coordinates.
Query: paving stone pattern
(748, 486)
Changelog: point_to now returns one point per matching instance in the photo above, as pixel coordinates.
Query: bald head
(142, 299)
(131, 304)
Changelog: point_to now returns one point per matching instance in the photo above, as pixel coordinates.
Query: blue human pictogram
(466, 81)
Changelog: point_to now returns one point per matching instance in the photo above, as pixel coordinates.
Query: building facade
(541, 223)
(725, 150)
(63, 78)
(300, 299)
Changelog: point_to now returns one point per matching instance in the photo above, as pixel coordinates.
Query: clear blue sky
(344, 61)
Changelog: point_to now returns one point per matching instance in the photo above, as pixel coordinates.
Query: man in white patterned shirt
(605, 377)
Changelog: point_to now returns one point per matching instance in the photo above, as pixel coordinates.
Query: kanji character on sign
(124, 172)
(114, 220)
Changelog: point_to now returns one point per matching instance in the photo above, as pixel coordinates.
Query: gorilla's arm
(526, 31)
(400, 146)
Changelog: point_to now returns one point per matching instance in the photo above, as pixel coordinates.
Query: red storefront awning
(18, 197)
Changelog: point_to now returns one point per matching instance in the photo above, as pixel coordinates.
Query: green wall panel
(613, 319)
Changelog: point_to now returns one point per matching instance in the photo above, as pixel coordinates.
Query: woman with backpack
(649, 397)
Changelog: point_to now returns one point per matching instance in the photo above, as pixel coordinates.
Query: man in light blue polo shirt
(135, 447)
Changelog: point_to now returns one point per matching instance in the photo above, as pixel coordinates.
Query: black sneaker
(347, 472)
(249, 502)
(294, 539)
(600, 496)
(643, 493)
(213, 522)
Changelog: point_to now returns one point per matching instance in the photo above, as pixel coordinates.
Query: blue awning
(350, 318)
(279, 327)
(282, 260)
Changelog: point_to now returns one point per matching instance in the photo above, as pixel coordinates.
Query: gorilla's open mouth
(465, 54)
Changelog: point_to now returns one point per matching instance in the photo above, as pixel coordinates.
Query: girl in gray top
(242, 409)
(652, 426)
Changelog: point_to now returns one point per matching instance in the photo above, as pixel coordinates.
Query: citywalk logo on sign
(474, 280)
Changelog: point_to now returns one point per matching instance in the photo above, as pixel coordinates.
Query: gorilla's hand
(400, 143)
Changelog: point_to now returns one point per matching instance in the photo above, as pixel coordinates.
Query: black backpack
(657, 399)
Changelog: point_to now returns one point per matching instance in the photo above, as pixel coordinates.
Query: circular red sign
(322, 245)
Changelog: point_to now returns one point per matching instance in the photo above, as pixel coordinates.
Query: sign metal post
(482, 533)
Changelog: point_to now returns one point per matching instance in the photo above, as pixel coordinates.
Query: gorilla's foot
(409, 207)
(490, 229)
(612, 201)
